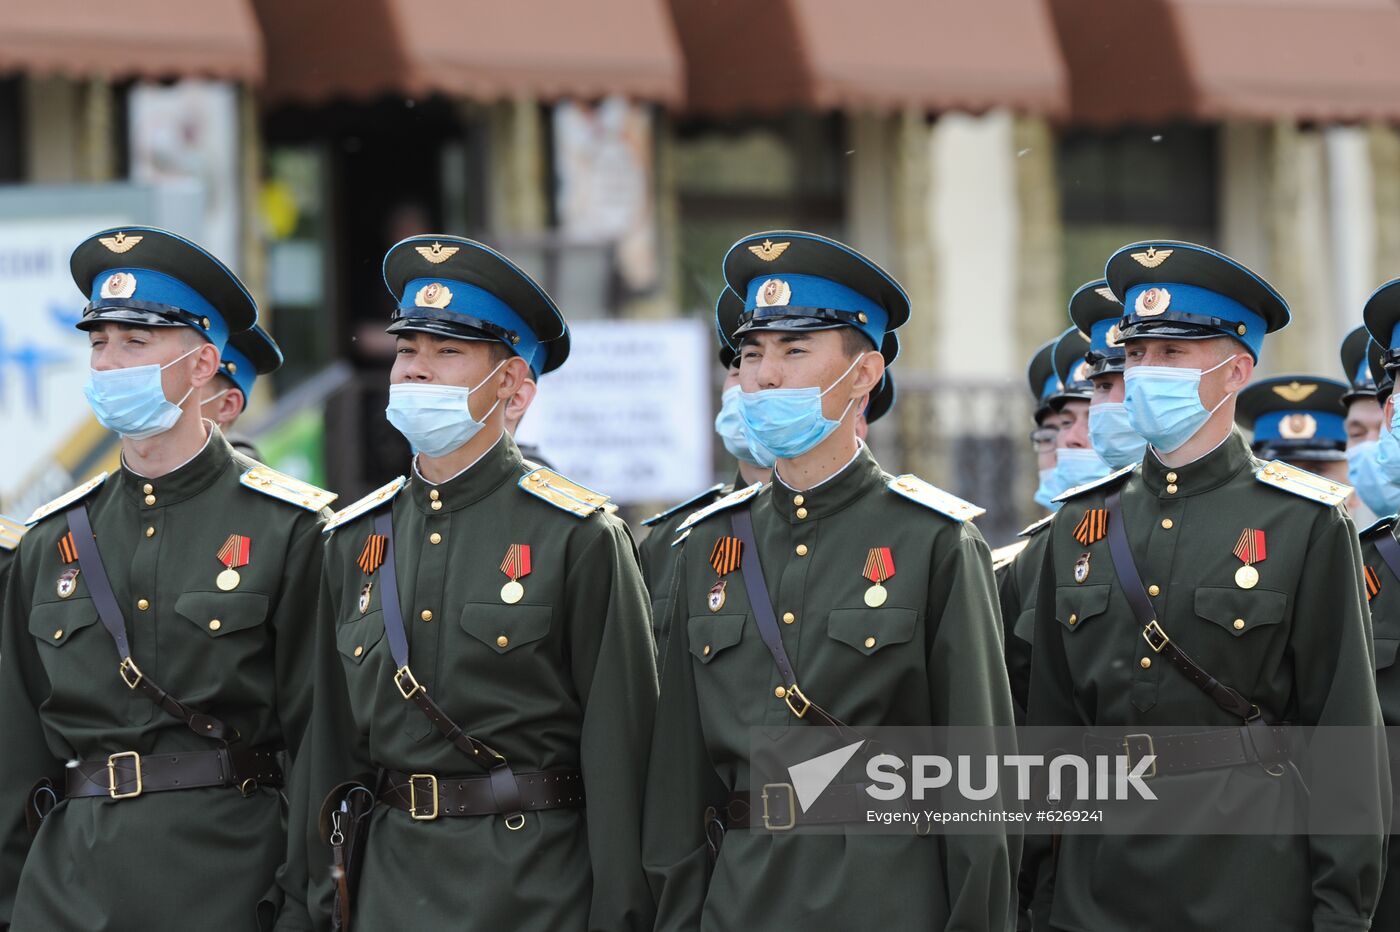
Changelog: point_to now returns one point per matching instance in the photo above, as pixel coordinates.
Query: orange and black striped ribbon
(372, 554)
(879, 565)
(517, 561)
(726, 555)
(1250, 548)
(67, 549)
(1092, 527)
(234, 552)
(1373, 584)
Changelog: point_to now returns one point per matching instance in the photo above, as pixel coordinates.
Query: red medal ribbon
(1251, 548)
(517, 561)
(234, 552)
(879, 565)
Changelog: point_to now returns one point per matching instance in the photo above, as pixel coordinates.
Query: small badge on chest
(365, 594)
(1081, 568)
(879, 566)
(68, 583)
(715, 600)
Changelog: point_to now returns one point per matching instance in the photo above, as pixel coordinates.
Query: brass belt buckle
(405, 675)
(1151, 750)
(1155, 637)
(112, 774)
(768, 823)
(806, 703)
(131, 674)
(413, 796)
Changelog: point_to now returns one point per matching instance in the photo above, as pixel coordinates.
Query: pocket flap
(1075, 605)
(221, 613)
(711, 634)
(871, 629)
(1386, 649)
(53, 623)
(1240, 611)
(356, 639)
(503, 627)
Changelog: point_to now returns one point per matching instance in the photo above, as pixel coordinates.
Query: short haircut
(854, 342)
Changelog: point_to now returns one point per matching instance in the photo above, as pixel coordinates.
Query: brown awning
(131, 38)
(748, 57)
(475, 49)
(1151, 61)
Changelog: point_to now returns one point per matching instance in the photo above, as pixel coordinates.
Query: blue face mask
(436, 419)
(1364, 472)
(729, 424)
(1388, 452)
(131, 401)
(1164, 403)
(1047, 490)
(784, 423)
(1075, 467)
(1113, 436)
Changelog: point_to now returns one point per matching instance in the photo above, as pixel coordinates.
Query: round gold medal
(1246, 577)
(228, 580)
(875, 596)
(512, 592)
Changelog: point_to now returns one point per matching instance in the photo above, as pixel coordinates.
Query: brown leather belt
(426, 796)
(127, 774)
(839, 804)
(1267, 745)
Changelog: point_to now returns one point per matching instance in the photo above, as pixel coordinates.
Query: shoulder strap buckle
(407, 683)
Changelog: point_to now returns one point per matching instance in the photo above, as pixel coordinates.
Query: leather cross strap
(768, 629)
(127, 774)
(1131, 583)
(1188, 752)
(1389, 551)
(502, 780)
(426, 796)
(100, 586)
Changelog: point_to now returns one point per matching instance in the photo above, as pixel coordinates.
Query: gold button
(359, 650)
(435, 538)
(150, 532)
(215, 624)
(1171, 477)
(1073, 619)
(503, 641)
(801, 550)
(433, 494)
(706, 651)
(142, 604)
(869, 643)
(58, 635)
(1239, 624)
(1171, 490)
(789, 618)
(802, 512)
(1154, 589)
(148, 488)
(437, 506)
(780, 692)
(427, 615)
(1167, 523)
(1145, 662)
(799, 500)
(150, 499)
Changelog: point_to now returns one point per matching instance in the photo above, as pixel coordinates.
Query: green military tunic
(10, 533)
(1297, 645)
(161, 860)
(931, 654)
(658, 557)
(1018, 576)
(562, 679)
(1383, 591)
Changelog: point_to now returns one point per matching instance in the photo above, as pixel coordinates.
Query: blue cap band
(244, 373)
(471, 306)
(1098, 338)
(1330, 426)
(814, 292)
(157, 288)
(1052, 385)
(1191, 304)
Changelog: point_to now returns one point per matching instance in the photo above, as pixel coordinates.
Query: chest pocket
(357, 638)
(1074, 606)
(219, 614)
(1240, 611)
(503, 628)
(54, 623)
(711, 635)
(870, 630)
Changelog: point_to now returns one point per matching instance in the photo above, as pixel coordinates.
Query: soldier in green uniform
(1205, 568)
(194, 568)
(10, 533)
(1299, 419)
(248, 354)
(487, 677)
(877, 586)
(1380, 554)
(1374, 496)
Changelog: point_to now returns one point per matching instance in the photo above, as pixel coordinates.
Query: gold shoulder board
(931, 496)
(1034, 526)
(1302, 483)
(66, 499)
(564, 494)
(738, 496)
(287, 488)
(367, 504)
(1004, 555)
(10, 533)
(1110, 479)
(680, 506)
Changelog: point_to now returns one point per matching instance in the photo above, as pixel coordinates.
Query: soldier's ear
(868, 373)
(206, 364)
(514, 372)
(1239, 372)
(1387, 412)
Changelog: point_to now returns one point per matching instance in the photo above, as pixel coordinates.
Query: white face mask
(132, 401)
(1164, 403)
(436, 419)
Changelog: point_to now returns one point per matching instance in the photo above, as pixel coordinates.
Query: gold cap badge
(768, 250)
(1114, 337)
(433, 294)
(119, 285)
(1294, 391)
(1153, 257)
(1298, 427)
(1152, 302)
(437, 253)
(774, 293)
(120, 243)
(1107, 294)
